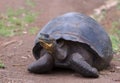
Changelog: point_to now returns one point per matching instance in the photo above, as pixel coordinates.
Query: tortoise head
(47, 42)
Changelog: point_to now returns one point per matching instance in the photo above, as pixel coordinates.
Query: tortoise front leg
(78, 64)
(42, 65)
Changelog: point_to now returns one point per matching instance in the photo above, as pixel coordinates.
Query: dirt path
(17, 55)
(53, 8)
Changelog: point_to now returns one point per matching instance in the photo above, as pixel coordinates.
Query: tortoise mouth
(47, 45)
(46, 42)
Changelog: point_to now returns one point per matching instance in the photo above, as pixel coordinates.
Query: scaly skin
(42, 65)
(78, 64)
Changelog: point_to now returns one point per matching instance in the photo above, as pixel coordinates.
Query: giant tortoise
(74, 41)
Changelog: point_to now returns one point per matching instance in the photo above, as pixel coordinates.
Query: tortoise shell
(78, 27)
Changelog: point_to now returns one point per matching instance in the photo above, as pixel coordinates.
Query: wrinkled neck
(60, 52)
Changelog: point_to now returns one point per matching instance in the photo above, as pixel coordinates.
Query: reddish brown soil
(17, 55)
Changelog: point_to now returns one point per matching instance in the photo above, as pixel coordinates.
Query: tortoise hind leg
(42, 65)
(78, 64)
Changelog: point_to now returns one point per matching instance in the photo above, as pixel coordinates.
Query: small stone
(117, 67)
(23, 57)
(29, 56)
(24, 32)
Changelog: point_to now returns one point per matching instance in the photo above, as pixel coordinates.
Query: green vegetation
(30, 3)
(115, 36)
(115, 42)
(115, 32)
(33, 30)
(2, 65)
(13, 22)
(118, 5)
(115, 24)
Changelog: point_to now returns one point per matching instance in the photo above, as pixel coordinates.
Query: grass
(115, 31)
(118, 5)
(30, 3)
(2, 65)
(115, 42)
(33, 30)
(13, 22)
(115, 24)
(115, 36)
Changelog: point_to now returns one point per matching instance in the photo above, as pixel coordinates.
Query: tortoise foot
(81, 66)
(42, 65)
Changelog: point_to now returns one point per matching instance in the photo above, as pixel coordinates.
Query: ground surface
(15, 52)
